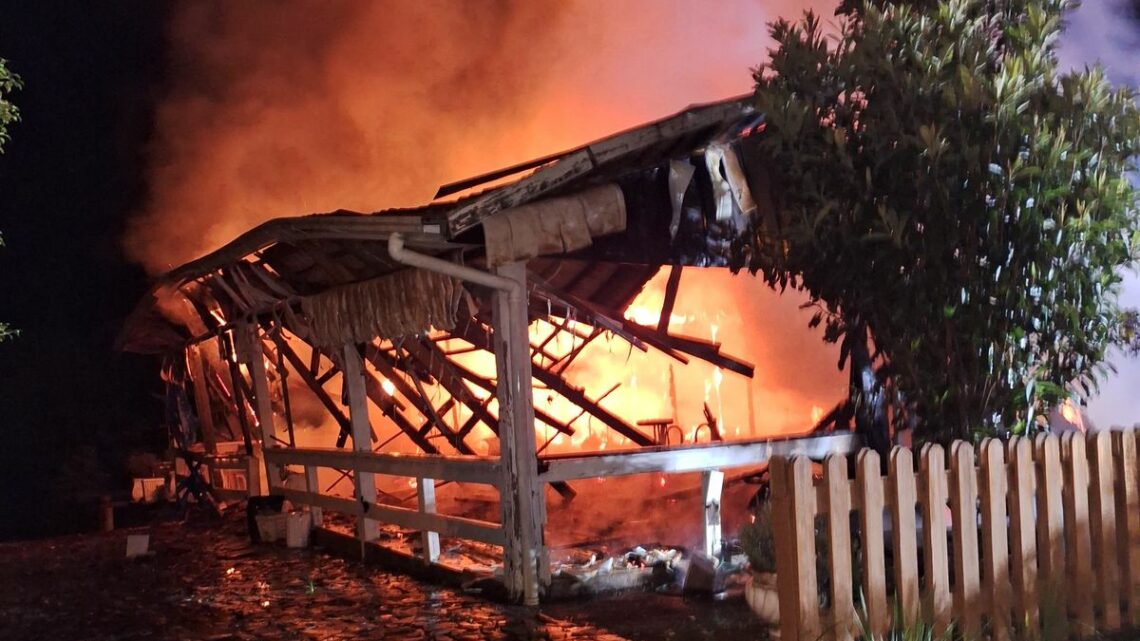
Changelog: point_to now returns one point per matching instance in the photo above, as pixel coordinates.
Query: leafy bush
(757, 541)
(943, 189)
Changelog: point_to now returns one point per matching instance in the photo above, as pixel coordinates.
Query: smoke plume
(285, 108)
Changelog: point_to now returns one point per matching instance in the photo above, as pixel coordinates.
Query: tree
(953, 205)
(9, 114)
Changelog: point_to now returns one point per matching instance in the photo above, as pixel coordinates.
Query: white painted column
(425, 488)
(712, 482)
(313, 485)
(353, 370)
(519, 490)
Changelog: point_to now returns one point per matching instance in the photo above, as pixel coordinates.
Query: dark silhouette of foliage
(9, 114)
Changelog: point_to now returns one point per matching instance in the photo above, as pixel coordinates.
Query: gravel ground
(205, 582)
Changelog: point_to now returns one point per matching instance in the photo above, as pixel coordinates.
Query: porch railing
(425, 469)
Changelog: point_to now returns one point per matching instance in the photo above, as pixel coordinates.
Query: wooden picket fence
(1019, 539)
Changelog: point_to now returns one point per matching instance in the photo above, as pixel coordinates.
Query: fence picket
(933, 500)
(869, 485)
(1128, 515)
(783, 511)
(1045, 534)
(839, 543)
(1022, 534)
(795, 551)
(1102, 508)
(995, 539)
(1078, 548)
(1050, 530)
(903, 534)
(803, 533)
(963, 502)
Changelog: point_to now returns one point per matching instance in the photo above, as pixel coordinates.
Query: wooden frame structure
(381, 301)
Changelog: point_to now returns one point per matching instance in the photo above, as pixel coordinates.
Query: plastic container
(271, 527)
(298, 526)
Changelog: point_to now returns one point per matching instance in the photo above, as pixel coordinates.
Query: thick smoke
(285, 108)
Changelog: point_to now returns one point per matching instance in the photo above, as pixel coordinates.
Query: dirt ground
(205, 582)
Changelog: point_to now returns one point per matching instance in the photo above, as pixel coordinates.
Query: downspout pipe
(405, 256)
(516, 295)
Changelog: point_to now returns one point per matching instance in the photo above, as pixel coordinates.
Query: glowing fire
(652, 385)
(219, 172)
(651, 317)
(816, 414)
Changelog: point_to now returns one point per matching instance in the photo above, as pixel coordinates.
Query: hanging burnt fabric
(554, 226)
(406, 302)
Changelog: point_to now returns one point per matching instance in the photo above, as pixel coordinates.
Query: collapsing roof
(675, 191)
(592, 225)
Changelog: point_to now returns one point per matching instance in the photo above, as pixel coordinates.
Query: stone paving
(205, 582)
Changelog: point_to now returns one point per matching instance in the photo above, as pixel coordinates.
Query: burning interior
(461, 357)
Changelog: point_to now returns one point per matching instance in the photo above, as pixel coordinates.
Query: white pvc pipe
(405, 256)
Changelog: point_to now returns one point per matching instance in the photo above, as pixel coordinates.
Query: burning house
(344, 360)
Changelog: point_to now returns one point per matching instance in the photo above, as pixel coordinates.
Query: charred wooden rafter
(283, 381)
(386, 365)
(240, 389)
(671, 287)
(640, 336)
(476, 334)
(450, 367)
(451, 377)
(303, 371)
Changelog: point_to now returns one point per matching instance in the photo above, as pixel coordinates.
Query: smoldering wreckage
(440, 346)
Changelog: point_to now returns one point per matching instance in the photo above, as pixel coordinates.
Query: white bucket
(137, 545)
(271, 527)
(297, 528)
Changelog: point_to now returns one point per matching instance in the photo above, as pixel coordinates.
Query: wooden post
(425, 489)
(712, 482)
(195, 361)
(933, 499)
(106, 513)
(1022, 534)
(312, 484)
(1128, 511)
(248, 344)
(963, 505)
(795, 549)
(353, 368)
(253, 476)
(904, 535)
(1050, 531)
(995, 538)
(869, 486)
(838, 494)
(519, 490)
(1102, 509)
(1078, 547)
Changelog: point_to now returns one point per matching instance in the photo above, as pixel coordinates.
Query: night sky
(74, 173)
(70, 176)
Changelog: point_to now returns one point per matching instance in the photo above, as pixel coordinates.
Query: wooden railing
(709, 459)
(1009, 539)
(425, 469)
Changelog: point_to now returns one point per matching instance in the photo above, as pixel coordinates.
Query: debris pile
(659, 569)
